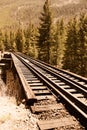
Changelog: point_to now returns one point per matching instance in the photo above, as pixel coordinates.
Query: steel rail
(61, 76)
(53, 71)
(79, 80)
(73, 101)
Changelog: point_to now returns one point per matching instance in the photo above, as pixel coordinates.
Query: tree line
(60, 44)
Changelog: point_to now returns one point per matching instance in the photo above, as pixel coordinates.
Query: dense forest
(63, 44)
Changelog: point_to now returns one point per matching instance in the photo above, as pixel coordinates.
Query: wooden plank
(71, 90)
(78, 95)
(83, 100)
(61, 83)
(2, 64)
(35, 84)
(66, 87)
(37, 109)
(85, 85)
(57, 81)
(31, 78)
(27, 72)
(53, 78)
(82, 83)
(33, 81)
(45, 97)
(71, 77)
(48, 75)
(56, 123)
(41, 92)
(76, 80)
(39, 88)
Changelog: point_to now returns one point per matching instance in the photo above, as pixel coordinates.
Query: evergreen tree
(71, 47)
(1, 41)
(27, 34)
(60, 37)
(19, 39)
(30, 41)
(6, 41)
(12, 40)
(44, 33)
(82, 50)
(53, 46)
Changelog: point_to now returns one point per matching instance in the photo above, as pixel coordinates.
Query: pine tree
(82, 51)
(6, 41)
(30, 41)
(1, 41)
(12, 40)
(60, 37)
(27, 34)
(53, 46)
(44, 33)
(19, 39)
(70, 58)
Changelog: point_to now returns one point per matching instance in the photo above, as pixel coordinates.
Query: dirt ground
(12, 116)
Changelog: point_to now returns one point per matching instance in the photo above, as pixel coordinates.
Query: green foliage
(19, 40)
(12, 41)
(1, 41)
(6, 41)
(30, 41)
(75, 57)
(82, 48)
(52, 57)
(44, 33)
(70, 58)
(60, 37)
(56, 44)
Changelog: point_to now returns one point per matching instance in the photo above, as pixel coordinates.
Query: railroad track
(79, 80)
(46, 81)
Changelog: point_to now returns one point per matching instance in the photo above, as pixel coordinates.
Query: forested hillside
(14, 11)
(54, 31)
